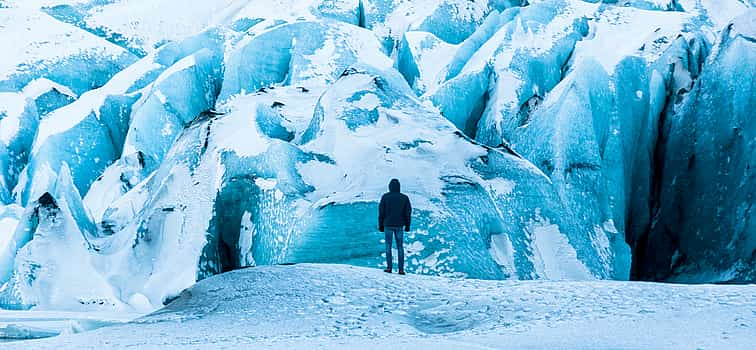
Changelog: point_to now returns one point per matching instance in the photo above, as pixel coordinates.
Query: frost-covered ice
(343, 307)
(36, 45)
(147, 145)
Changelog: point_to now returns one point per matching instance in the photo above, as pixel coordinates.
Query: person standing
(394, 214)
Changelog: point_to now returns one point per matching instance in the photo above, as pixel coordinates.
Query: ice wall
(266, 133)
(704, 227)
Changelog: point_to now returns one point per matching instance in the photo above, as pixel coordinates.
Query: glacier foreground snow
(148, 145)
(345, 307)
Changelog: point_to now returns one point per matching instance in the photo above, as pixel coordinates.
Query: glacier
(41, 47)
(707, 143)
(149, 145)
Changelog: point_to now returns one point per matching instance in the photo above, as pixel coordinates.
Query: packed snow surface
(344, 307)
(24, 325)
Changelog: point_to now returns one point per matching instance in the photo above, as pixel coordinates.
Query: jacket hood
(394, 185)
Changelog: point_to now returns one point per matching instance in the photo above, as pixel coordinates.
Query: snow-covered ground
(18, 325)
(345, 307)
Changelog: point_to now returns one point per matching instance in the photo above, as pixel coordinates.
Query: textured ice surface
(18, 124)
(305, 54)
(36, 45)
(534, 141)
(90, 134)
(708, 185)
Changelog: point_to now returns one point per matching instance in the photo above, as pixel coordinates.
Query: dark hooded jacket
(395, 209)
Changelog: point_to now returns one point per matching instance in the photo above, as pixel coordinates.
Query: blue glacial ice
(706, 193)
(177, 97)
(41, 47)
(92, 132)
(256, 137)
(522, 57)
(18, 124)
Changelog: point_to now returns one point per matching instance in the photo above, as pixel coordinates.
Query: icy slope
(164, 142)
(343, 307)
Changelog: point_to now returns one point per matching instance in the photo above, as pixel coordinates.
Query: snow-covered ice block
(38, 46)
(48, 95)
(89, 134)
(450, 20)
(715, 14)
(50, 268)
(178, 96)
(658, 5)
(347, 11)
(303, 54)
(566, 138)
(422, 58)
(143, 26)
(510, 73)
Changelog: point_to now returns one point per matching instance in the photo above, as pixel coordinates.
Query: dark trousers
(398, 234)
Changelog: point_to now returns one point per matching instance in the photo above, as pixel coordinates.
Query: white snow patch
(161, 97)
(246, 240)
(12, 105)
(415, 247)
(266, 184)
(167, 130)
(148, 23)
(238, 130)
(40, 86)
(9, 242)
(367, 101)
(501, 186)
(555, 258)
(626, 30)
(503, 252)
(140, 303)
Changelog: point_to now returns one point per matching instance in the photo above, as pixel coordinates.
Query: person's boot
(387, 270)
(401, 272)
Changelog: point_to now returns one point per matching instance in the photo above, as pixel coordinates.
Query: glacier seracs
(534, 141)
(706, 189)
(39, 46)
